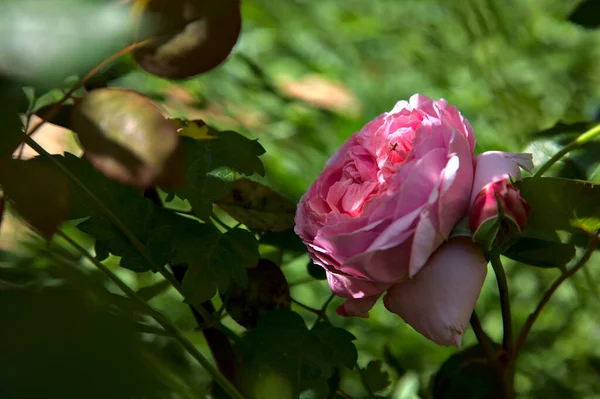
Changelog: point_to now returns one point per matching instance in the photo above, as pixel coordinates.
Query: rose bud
(379, 217)
(498, 213)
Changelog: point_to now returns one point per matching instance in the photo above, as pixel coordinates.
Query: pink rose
(379, 216)
(498, 213)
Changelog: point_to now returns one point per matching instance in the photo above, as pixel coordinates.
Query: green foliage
(212, 163)
(51, 40)
(375, 378)
(258, 207)
(541, 253)
(39, 192)
(267, 290)
(586, 14)
(282, 345)
(467, 375)
(562, 204)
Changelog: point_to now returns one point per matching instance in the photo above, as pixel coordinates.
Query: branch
(593, 243)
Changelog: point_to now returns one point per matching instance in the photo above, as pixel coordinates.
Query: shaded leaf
(467, 375)
(258, 207)
(586, 14)
(212, 162)
(267, 290)
(194, 36)
(13, 102)
(375, 377)
(540, 252)
(127, 205)
(62, 117)
(562, 204)
(286, 240)
(316, 271)
(48, 353)
(393, 361)
(127, 138)
(214, 260)
(282, 344)
(39, 191)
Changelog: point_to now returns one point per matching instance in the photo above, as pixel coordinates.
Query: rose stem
(159, 318)
(578, 142)
(593, 243)
(507, 337)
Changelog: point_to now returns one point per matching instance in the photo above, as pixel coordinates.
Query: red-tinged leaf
(39, 192)
(194, 36)
(126, 137)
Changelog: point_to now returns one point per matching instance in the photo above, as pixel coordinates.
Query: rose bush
(379, 217)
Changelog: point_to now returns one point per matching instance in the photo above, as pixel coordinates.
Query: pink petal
(496, 165)
(350, 287)
(439, 300)
(357, 307)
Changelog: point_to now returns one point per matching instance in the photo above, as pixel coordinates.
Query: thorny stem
(593, 243)
(159, 318)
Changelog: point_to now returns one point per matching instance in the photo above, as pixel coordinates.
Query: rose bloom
(379, 217)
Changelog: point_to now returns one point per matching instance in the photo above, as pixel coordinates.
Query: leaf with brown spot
(194, 36)
(258, 207)
(267, 290)
(39, 192)
(126, 137)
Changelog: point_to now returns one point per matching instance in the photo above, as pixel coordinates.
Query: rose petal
(496, 165)
(357, 307)
(349, 287)
(439, 300)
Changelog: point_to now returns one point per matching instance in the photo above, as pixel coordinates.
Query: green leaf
(467, 375)
(39, 191)
(258, 207)
(13, 102)
(212, 161)
(127, 205)
(53, 39)
(562, 204)
(286, 240)
(375, 377)
(586, 14)
(126, 137)
(70, 346)
(282, 345)
(194, 36)
(316, 271)
(267, 290)
(541, 253)
(215, 260)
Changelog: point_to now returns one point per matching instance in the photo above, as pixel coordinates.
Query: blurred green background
(305, 75)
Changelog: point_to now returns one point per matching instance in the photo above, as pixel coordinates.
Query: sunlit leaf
(212, 162)
(281, 343)
(194, 36)
(267, 290)
(562, 204)
(39, 191)
(126, 137)
(258, 207)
